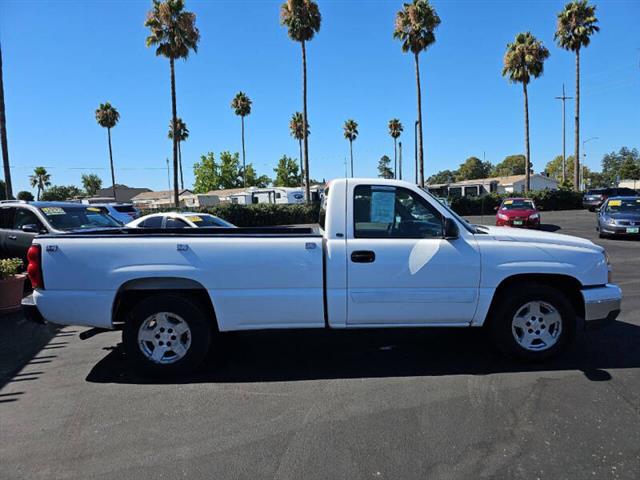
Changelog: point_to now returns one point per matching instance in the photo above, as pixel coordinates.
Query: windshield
(627, 205)
(209, 221)
(125, 208)
(461, 221)
(75, 218)
(517, 205)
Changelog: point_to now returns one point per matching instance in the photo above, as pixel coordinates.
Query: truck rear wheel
(167, 335)
(533, 322)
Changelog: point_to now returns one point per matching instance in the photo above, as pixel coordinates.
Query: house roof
(503, 181)
(227, 192)
(159, 195)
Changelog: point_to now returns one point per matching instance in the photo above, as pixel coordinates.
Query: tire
(167, 335)
(549, 334)
(592, 209)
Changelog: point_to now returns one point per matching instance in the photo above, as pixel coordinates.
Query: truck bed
(195, 232)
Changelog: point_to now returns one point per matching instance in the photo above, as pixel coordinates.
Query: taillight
(34, 269)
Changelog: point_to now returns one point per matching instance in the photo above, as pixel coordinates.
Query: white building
(482, 186)
(630, 183)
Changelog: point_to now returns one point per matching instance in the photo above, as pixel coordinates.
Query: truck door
(401, 271)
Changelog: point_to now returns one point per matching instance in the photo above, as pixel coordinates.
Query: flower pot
(11, 290)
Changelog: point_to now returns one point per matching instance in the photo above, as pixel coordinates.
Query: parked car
(123, 212)
(518, 212)
(389, 255)
(21, 222)
(619, 216)
(594, 198)
(179, 220)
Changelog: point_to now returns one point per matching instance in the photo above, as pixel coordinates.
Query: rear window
(124, 208)
(77, 218)
(209, 221)
(598, 191)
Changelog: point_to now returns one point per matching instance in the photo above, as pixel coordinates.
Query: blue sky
(61, 59)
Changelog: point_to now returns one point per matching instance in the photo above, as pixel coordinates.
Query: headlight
(534, 216)
(609, 220)
(502, 216)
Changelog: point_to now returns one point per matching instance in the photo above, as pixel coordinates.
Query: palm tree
(107, 117)
(241, 104)
(182, 133)
(40, 179)
(395, 130)
(302, 19)
(3, 138)
(174, 34)
(415, 27)
(525, 59)
(91, 183)
(576, 23)
(351, 133)
(296, 128)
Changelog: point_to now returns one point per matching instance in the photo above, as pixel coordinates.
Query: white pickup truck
(388, 255)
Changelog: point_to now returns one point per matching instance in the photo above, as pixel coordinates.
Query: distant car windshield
(598, 191)
(625, 205)
(125, 208)
(76, 218)
(209, 221)
(517, 205)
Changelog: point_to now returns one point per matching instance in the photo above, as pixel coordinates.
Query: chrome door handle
(12, 237)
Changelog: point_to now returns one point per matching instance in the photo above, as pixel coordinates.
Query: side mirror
(496, 208)
(539, 208)
(30, 228)
(597, 210)
(451, 230)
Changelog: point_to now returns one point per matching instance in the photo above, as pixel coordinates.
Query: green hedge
(547, 199)
(260, 214)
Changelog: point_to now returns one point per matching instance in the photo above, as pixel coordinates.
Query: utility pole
(415, 150)
(564, 140)
(168, 174)
(400, 161)
(3, 139)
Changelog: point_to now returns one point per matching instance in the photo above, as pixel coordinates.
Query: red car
(518, 212)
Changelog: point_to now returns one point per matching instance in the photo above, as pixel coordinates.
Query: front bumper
(601, 304)
(609, 229)
(524, 223)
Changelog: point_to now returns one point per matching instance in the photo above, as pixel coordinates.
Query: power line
(564, 138)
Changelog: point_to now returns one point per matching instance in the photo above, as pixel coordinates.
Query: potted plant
(11, 284)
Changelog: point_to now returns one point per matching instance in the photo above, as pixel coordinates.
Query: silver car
(619, 216)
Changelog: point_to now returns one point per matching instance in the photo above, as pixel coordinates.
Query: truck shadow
(313, 355)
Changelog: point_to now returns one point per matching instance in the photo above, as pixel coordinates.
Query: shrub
(9, 267)
(562, 199)
(26, 196)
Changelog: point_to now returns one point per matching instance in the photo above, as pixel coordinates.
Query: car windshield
(125, 208)
(517, 205)
(75, 218)
(625, 205)
(595, 192)
(209, 221)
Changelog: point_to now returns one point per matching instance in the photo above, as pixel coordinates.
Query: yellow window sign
(615, 203)
(53, 211)
(195, 219)
(93, 209)
(508, 202)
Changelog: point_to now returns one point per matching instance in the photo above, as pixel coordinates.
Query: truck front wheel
(166, 335)
(533, 322)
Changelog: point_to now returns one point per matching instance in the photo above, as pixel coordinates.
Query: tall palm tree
(174, 34)
(182, 132)
(395, 130)
(415, 27)
(576, 23)
(296, 128)
(40, 180)
(525, 59)
(107, 117)
(351, 133)
(241, 104)
(302, 19)
(3, 138)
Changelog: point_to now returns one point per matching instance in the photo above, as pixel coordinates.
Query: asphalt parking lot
(356, 405)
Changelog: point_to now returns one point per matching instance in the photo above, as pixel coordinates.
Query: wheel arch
(568, 285)
(133, 291)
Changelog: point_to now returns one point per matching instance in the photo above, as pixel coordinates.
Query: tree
(350, 133)
(182, 133)
(40, 180)
(612, 163)
(554, 168)
(630, 169)
(92, 183)
(174, 34)
(296, 128)
(576, 23)
(395, 130)
(287, 174)
(6, 185)
(511, 165)
(302, 19)
(525, 59)
(444, 176)
(107, 117)
(206, 173)
(241, 104)
(230, 174)
(415, 27)
(472, 169)
(59, 193)
(253, 180)
(25, 196)
(384, 170)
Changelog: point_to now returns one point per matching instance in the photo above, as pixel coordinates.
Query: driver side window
(391, 212)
